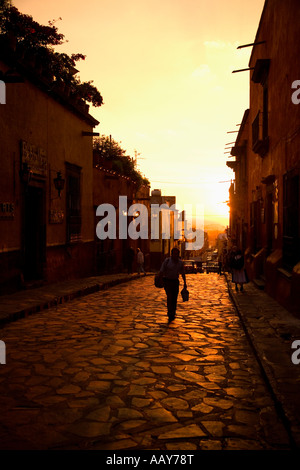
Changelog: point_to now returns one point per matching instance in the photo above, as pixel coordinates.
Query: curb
(285, 412)
(63, 298)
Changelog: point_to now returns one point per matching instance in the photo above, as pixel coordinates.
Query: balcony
(261, 71)
(239, 151)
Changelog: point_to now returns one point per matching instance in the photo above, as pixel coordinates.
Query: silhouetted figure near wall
(220, 263)
(140, 262)
(237, 265)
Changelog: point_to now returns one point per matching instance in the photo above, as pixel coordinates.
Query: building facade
(238, 191)
(265, 197)
(162, 244)
(109, 185)
(46, 179)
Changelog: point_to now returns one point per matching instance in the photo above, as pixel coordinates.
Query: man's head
(175, 253)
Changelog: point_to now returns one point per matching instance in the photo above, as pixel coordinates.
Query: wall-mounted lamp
(59, 182)
(25, 173)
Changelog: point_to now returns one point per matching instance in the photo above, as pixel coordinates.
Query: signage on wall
(56, 216)
(7, 210)
(35, 157)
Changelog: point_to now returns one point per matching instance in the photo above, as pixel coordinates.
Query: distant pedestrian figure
(237, 265)
(170, 270)
(130, 258)
(220, 263)
(140, 262)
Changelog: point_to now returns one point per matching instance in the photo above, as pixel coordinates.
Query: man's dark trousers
(171, 287)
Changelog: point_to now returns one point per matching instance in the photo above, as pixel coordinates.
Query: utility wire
(188, 183)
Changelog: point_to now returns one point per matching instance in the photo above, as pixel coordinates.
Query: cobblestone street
(108, 372)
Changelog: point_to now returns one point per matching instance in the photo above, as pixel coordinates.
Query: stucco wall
(32, 115)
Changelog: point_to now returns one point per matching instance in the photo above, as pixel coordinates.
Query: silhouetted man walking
(170, 270)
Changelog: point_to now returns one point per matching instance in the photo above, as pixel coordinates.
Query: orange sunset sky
(164, 69)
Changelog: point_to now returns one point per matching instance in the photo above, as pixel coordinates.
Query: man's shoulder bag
(158, 281)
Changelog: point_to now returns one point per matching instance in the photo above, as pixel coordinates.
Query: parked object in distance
(190, 267)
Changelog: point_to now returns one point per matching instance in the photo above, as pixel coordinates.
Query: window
(73, 195)
(271, 210)
(255, 226)
(260, 131)
(291, 239)
(255, 132)
(265, 120)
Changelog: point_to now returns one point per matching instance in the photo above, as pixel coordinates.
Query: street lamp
(59, 182)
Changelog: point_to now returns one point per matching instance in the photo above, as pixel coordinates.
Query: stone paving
(28, 301)
(107, 371)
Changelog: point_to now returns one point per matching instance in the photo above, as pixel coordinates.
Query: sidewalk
(26, 302)
(271, 330)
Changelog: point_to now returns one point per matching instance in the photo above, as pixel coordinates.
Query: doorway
(34, 241)
(269, 220)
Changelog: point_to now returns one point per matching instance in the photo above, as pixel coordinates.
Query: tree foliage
(110, 150)
(26, 30)
(41, 40)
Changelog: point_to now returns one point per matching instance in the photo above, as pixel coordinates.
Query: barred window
(73, 193)
(255, 226)
(291, 219)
